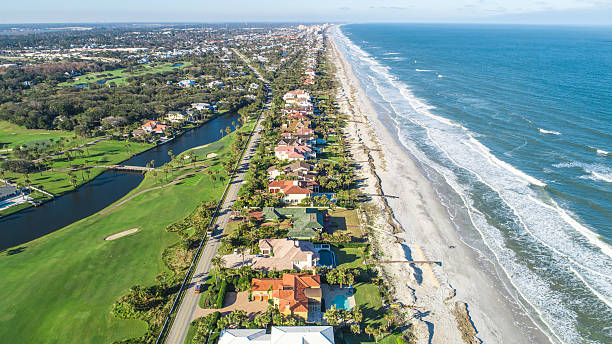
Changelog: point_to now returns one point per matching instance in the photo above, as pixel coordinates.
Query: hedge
(221, 295)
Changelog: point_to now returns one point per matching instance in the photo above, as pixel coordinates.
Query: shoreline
(456, 301)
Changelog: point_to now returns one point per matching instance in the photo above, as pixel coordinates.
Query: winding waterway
(104, 190)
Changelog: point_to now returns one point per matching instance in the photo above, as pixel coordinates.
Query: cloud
(344, 8)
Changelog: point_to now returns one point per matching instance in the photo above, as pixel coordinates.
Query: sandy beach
(459, 299)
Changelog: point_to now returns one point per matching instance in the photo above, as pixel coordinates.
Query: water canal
(108, 187)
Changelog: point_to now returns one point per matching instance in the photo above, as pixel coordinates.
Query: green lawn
(60, 288)
(349, 257)
(119, 76)
(345, 221)
(107, 152)
(13, 136)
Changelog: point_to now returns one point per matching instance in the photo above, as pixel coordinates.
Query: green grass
(349, 257)
(193, 329)
(107, 152)
(60, 288)
(368, 298)
(120, 76)
(345, 221)
(13, 136)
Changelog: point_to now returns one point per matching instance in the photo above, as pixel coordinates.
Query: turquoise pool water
(326, 258)
(341, 302)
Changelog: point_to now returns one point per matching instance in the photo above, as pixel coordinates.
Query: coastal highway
(189, 304)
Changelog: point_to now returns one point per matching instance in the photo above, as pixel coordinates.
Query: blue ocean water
(517, 122)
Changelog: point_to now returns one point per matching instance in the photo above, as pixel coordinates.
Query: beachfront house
(292, 153)
(306, 223)
(294, 294)
(279, 335)
(293, 191)
(286, 254)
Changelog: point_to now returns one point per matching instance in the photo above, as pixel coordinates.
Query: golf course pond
(108, 187)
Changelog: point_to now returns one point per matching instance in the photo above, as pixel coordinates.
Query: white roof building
(302, 334)
(279, 335)
(244, 336)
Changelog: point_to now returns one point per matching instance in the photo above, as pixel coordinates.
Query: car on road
(199, 288)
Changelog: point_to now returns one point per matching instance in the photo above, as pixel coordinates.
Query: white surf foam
(424, 70)
(541, 220)
(599, 151)
(602, 177)
(544, 131)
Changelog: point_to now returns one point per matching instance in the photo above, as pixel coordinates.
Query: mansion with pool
(295, 294)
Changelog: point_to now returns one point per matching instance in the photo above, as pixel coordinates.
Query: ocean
(513, 127)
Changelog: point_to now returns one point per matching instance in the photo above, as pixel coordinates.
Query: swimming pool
(341, 302)
(326, 258)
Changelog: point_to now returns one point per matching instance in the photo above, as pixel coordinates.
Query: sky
(574, 12)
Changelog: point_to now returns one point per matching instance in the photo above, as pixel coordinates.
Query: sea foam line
(544, 131)
(465, 202)
(470, 210)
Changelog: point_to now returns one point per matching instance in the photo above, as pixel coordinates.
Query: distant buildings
(186, 83)
(154, 127)
(178, 117)
(8, 191)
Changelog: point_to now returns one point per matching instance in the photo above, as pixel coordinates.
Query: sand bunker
(211, 155)
(121, 234)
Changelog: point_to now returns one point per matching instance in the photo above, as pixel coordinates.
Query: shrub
(221, 295)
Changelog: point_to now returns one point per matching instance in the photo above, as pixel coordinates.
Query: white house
(200, 106)
(186, 83)
(279, 335)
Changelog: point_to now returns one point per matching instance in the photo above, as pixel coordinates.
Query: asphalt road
(189, 304)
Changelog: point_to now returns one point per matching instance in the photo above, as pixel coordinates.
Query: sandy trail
(121, 234)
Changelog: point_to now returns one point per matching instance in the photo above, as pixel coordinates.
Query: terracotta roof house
(286, 254)
(295, 294)
(311, 73)
(294, 191)
(296, 94)
(154, 127)
(294, 153)
(279, 335)
(309, 81)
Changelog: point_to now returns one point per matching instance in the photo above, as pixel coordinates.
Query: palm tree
(369, 330)
(217, 262)
(242, 252)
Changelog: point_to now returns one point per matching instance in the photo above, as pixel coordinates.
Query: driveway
(235, 301)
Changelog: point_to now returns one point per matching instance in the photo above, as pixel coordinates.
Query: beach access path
(189, 304)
